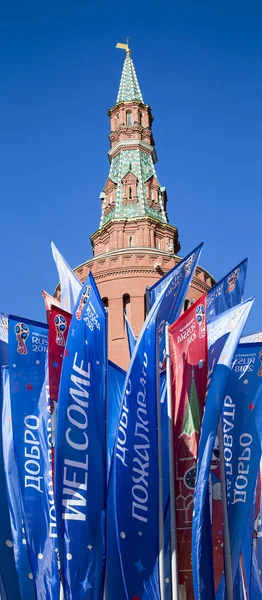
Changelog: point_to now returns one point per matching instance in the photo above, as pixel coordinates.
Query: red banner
(59, 322)
(188, 346)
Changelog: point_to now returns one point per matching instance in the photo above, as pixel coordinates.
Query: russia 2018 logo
(200, 313)
(22, 333)
(260, 368)
(60, 327)
(188, 264)
(232, 280)
(83, 301)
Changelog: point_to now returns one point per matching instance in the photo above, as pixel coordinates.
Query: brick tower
(135, 244)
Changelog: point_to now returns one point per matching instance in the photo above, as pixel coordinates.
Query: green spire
(193, 417)
(129, 89)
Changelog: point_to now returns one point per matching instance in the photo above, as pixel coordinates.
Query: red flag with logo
(59, 322)
(188, 348)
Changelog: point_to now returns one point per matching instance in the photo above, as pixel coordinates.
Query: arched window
(130, 192)
(130, 242)
(105, 302)
(129, 117)
(159, 245)
(127, 306)
(140, 117)
(186, 304)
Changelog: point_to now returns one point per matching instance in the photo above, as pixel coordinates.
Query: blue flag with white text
(116, 380)
(228, 292)
(242, 445)
(130, 335)
(133, 513)
(69, 282)
(23, 566)
(80, 456)
(31, 420)
(223, 336)
(9, 585)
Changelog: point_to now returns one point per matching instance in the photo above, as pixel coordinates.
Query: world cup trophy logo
(232, 280)
(60, 327)
(83, 301)
(200, 313)
(22, 333)
(260, 368)
(188, 264)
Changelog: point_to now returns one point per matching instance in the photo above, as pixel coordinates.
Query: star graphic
(29, 387)
(140, 533)
(136, 598)
(73, 332)
(251, 406)
(66, 352)
(55, 364)
(139, 566)
(89, 547)
(85, 584)
(54, 580)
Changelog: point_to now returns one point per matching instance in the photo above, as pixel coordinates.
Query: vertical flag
(155, 291)
(116, 380)
(132, 569)
(80, 457)
(228, 292)
(223, 333)
(9, 585)
(241, 440)
(27, 346)
(59, 323)
(188, 347)
(49, 301)
(23, 566)
(69, 282)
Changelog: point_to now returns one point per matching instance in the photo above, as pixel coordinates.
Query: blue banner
(31, 421)
(69, 283)
(130, 336)
(223, 336)
(133, 514)
(9, 584)
(80, 458)
(116, 380)
(155, 291)
(241, 439)
(228, 292)
(23, 566)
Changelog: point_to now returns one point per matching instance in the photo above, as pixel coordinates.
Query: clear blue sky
(199, 65)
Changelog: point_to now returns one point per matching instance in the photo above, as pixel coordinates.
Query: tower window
(130, 192)
(127, 306)
(129, 117)
(130, 242)
(105, 302)
(140, 117)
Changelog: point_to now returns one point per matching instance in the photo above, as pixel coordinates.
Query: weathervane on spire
(124, 46)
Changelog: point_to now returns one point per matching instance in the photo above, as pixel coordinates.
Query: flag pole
(173, 538)
(227, 553)
(161, 541)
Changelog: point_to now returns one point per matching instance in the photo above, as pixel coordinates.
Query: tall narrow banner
(69, 282)
(228, 292)
(23, 566)
(132, 568)
(155, 291)
(255, 592)
(224, 334)
(80, 458)
(116, 380)
(32, 445)
(59, 324)
(9, 585)
(242, 436)
(188, 347)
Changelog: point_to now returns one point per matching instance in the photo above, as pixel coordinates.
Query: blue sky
(199, 66)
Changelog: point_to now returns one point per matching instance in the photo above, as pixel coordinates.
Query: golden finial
(124, 46)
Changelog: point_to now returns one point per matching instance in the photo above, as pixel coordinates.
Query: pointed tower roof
(129, 89)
